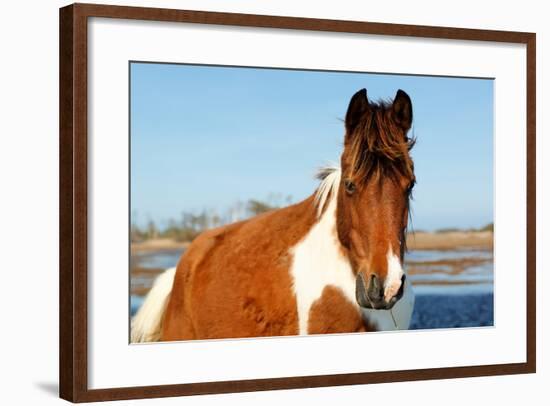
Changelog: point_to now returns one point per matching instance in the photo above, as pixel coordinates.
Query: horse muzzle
(371, 295)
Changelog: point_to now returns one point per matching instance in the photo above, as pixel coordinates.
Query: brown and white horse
(329, 264)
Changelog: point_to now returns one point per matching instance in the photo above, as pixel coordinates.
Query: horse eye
(410, 187)
(350, 186)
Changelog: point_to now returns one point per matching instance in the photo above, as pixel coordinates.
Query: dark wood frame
(73, 362)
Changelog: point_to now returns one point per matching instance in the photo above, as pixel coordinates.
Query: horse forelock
(377, 146)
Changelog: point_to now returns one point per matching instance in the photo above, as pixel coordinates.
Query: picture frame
(74, 200)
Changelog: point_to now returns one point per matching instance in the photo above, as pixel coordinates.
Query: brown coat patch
(334, 313)
(234, 281)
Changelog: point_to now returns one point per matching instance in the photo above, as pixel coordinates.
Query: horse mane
(330, 180)
(377, 145)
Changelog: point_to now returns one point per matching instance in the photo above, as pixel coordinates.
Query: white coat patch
(393, 278)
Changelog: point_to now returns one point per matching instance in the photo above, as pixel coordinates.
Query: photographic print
(281, 202)
(239, 190)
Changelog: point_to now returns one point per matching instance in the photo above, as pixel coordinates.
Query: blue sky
(207, 137)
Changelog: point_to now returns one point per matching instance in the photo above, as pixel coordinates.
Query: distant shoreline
(450, 240)
(422, 240)
(158, 244)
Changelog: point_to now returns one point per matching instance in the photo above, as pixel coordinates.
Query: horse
(332, 263)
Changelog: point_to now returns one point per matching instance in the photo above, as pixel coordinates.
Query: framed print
(255, 202)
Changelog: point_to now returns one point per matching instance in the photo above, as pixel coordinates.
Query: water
(454, 288)
(451, 311)
(135, 303)
(157, 259)
(456, 272)
(435, 255)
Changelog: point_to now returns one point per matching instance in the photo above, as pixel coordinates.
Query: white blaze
(394, 275)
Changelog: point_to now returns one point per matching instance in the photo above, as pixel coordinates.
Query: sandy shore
(452, 240)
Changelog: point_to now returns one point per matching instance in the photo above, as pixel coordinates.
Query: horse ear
(402, 110)
(358, 105)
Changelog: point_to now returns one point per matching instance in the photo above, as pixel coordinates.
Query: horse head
(377, 177)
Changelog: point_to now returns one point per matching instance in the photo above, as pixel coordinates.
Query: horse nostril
(361, 291)
(369, 292)
(401, 288)
(375, 290)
